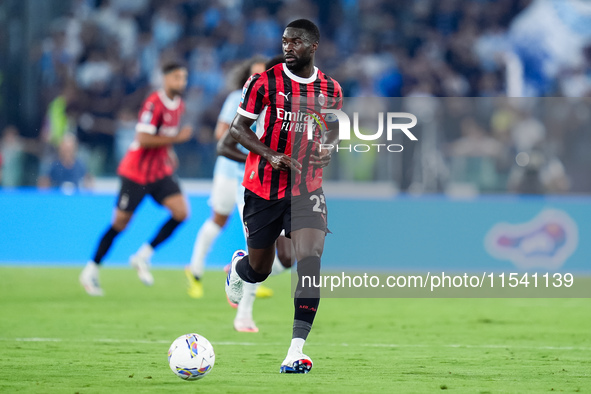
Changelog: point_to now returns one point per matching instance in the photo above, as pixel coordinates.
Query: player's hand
(283, 162)
(185, 134)
(320, 157)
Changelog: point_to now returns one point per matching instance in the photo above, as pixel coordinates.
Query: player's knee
(220, 219)
(314, 251)
(261, 267)
(180, 215)
(261, 260)
(119, 227)
(121, 220)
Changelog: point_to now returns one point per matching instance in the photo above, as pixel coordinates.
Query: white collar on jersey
(291, 75)
(168, 103)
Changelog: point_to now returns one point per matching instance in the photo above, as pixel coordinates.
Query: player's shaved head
(299, 42)
(311, 30)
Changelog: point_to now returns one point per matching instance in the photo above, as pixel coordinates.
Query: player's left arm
(322, 152)
(254, 99)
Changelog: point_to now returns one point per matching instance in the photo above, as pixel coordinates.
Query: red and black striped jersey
(282, 103)
(159, 116)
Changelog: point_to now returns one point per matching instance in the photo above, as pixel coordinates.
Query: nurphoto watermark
(327, 118)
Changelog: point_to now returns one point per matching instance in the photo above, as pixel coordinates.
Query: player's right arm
(254, 99)
(228, 147)
(240, 130)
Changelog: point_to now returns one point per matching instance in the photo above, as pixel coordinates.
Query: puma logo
(285, 95)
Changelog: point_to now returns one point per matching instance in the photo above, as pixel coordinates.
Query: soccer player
(228, 147)
(147, 169)
(283, 177)
(226, 177)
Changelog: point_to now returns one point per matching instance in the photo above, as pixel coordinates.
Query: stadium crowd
(99, 61)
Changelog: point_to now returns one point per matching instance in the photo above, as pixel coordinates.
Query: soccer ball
(191, 357)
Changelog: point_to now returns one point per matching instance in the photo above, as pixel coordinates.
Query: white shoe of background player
(245, 325)
(89, 279)
(141, 262)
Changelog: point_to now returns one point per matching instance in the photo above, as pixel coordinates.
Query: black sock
(105, 244)
(301, 329)
(165, 231)
(247, 273)
(306, 299)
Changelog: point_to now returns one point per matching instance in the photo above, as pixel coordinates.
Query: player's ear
(314, 47)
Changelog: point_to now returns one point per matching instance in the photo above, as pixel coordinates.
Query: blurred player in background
(283, 177)
(226, 177)
(229, 148)
(66, 171)
(147, 169)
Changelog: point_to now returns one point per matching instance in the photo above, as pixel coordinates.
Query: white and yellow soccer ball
(191, 357)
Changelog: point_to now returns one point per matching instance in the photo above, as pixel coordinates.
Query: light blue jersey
(223, 165)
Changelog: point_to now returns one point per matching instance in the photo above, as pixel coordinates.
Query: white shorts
(223, 194)
(227, 189)
(228, 168)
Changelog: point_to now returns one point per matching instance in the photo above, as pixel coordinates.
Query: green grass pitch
(54, 338)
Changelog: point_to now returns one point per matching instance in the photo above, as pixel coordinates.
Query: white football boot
(296, 363)
(234, 282)
(245, 324)
(89, 279)
(141, 262)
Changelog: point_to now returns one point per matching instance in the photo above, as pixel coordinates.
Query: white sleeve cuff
(249, 115)
(145, 128)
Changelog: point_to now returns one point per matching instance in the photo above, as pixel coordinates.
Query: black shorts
(132, 193)
(265, 219)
